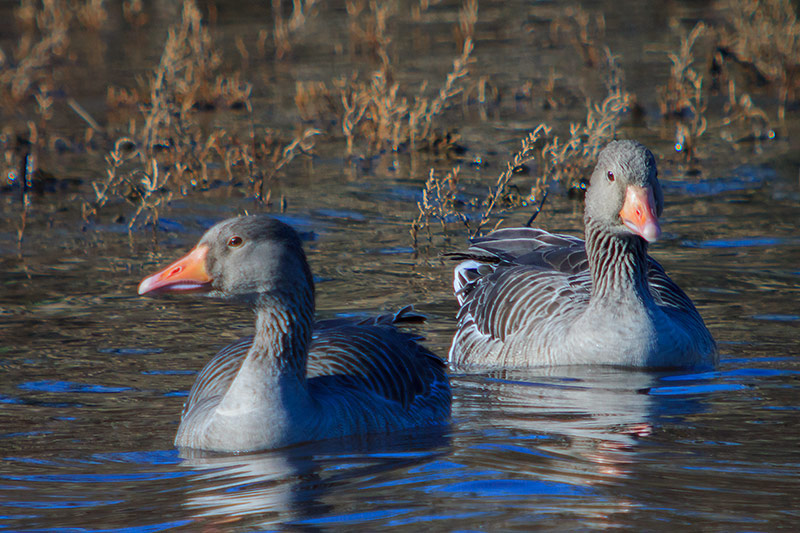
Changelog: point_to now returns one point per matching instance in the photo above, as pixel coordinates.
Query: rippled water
(92, 377)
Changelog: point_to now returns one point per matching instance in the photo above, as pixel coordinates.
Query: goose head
(624, 195)
(240, 259)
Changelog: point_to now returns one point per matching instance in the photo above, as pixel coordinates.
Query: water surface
(94, 377)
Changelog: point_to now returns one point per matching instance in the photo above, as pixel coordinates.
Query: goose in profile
(295, 379)
(531, 298)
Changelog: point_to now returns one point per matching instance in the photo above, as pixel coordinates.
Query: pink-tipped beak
(187, 274)
(639, 213)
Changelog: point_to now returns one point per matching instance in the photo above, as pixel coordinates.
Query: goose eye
(610, 176)
(235, 242)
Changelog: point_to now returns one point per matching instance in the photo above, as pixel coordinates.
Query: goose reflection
(273, 488)
(575, 425)
(561, 441)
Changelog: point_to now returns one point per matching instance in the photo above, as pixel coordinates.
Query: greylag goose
(531, 298)
(294, 380)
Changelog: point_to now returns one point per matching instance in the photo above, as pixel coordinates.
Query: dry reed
(375, 114)
(682, 97)
(584, 32)
(283, 29)
(439, 202)
(166, 150)
(168, 146)
(22, 78)
(567, 163)
(763, 36)
(740, 111)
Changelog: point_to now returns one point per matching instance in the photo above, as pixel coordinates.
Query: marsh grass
(133, 12)
(92, 14)
(563, 162)
(283, 29)
(26, 88)
(41, 46)
(585, 32)
(501, 197)
(763, 38)
(167, 150)
(683, 103)
(740, 112)
(368, 30)
(376, 113)
(682, 94)
(26, 176)
(168, 144)
(162, 136)
(682, 98)
(439, 203)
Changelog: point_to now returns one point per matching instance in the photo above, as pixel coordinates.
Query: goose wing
(531, 246)
(510, 297)
(368, 354)
(517, 276)
(375, 358)
(666, 292)
(216, 377)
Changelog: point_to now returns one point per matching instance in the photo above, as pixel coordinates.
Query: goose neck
(617, 262)
(283, 330)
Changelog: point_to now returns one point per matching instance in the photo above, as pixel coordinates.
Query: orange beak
(187, 274)
(639, 213)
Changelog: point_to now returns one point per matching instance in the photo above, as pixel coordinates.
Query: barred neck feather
(284, 324)
(617, 262)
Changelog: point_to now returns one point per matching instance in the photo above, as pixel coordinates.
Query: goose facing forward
(531, 298)
(294, 380)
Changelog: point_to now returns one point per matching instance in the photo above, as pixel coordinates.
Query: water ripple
(49, 385)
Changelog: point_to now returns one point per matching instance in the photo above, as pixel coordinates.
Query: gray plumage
(531, 298)
(296, 380)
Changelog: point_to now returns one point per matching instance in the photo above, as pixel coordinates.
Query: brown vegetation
(763, 37)
(683, 98)
(166, 149)
(377, 111)
(683, 102)
(567, 163)
(164, 136)
(583, 31)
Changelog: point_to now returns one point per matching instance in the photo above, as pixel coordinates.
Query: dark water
(92, 377)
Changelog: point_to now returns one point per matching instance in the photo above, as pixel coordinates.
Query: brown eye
(235, 242)
(610, 176)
